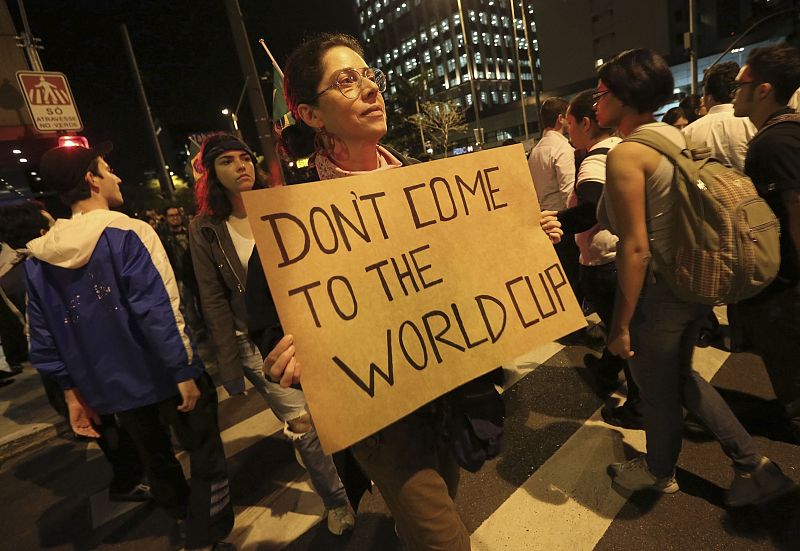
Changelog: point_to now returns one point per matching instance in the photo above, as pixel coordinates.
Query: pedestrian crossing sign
(49, 100)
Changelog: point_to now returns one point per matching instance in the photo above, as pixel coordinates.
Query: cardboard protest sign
(401, 285)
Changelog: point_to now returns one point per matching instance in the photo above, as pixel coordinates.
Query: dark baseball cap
(62, 168)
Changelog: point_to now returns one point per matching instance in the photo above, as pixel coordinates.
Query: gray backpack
(726, 239)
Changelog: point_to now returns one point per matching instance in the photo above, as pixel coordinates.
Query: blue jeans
(663, 332)
(288, 404)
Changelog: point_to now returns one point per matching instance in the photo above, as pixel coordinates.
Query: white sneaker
(341, 519)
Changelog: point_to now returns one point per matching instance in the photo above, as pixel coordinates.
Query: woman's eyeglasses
(598, 95)
(350, 81)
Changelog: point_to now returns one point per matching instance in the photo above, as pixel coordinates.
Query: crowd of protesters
(115, 305)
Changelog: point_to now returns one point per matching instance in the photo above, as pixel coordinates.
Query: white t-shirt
(243, 245)
(598, 246)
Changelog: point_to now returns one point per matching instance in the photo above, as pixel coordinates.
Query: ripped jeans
(289, 404)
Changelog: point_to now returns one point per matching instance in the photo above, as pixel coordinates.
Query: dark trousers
(121, 453)
(599, 284)
(12, 335)
(569, 256)
(771, 323)
(205, 504)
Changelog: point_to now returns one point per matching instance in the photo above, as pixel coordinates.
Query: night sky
(186, 56)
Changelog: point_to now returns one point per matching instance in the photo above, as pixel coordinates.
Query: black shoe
(6, 382)
(604, 373)
(622, 416)
(6, 374)
(140, 492)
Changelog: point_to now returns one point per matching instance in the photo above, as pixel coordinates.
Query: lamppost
(234, 121)
(473, 73)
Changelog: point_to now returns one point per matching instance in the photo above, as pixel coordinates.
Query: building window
(495, 20)
(463, 60)
(497, 40)
(471, 15)
(439, 71)
(474, 37)
(451, 65)
(448, 45)
(426, 55)
(483, 18)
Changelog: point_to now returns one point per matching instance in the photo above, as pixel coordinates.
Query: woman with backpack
(652, 328)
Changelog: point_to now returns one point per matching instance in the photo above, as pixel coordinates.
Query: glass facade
(426, 38)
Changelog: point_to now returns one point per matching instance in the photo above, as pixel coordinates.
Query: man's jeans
(663, 332)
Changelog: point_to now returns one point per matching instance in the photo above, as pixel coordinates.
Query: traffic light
(73, 141)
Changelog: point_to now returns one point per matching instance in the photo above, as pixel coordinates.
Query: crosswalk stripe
(568, 503)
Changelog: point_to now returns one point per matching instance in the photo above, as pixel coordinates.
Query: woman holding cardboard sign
(221, 242)
(341, 117)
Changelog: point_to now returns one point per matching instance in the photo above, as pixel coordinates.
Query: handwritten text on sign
(401, 285)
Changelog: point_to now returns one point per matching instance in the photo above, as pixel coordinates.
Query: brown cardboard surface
(480, 283)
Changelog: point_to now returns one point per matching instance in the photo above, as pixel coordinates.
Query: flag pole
(272, 59)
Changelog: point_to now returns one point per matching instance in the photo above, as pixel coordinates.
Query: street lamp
(234, 120)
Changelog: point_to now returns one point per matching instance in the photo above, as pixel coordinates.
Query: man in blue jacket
(105, 323)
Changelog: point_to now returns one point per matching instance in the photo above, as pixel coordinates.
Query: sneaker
(764, 483)
(341, 520)
(635, 475)
(140, 492)
(624, 416)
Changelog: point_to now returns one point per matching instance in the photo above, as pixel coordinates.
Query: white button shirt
(725, 134)
(552, 166)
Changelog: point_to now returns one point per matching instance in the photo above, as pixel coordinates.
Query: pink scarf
(327, 169)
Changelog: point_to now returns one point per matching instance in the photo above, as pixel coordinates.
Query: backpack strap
(682, 160)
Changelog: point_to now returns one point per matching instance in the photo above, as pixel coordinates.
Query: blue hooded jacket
(103, 310)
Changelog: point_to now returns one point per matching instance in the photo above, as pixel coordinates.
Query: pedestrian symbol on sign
(47, 93)
(50, 102)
